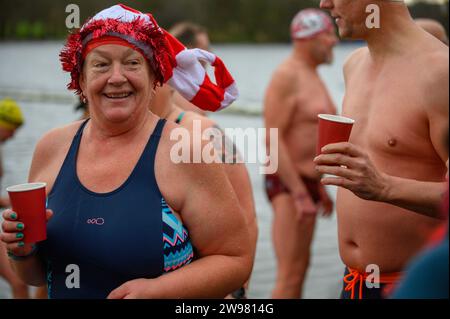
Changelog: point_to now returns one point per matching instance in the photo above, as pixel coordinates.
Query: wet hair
(186, 33)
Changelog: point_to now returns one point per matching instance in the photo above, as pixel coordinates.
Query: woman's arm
(47, 160)
(24, 258)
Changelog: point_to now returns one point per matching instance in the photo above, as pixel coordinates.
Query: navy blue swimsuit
(114, 237)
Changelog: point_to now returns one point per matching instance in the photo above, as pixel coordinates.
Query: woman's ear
(82, 81)
(153, 93)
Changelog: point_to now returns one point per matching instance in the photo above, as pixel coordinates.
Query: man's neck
(302, 55)
(397, 30)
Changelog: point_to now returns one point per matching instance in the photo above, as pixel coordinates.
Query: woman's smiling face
(117, 82)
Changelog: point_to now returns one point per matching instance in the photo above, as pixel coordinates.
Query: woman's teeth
(118, 95)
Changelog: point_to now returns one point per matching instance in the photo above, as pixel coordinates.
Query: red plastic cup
(333, 129)
(28, 201)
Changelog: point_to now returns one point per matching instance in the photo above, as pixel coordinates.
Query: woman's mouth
(117, 96)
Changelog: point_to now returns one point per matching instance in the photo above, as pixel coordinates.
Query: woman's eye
(100, 65)
(133, 62)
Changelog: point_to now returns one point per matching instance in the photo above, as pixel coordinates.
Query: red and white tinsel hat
(170, 60)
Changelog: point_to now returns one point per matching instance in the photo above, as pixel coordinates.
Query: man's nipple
(392, 142)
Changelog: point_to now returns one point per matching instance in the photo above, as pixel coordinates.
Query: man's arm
(425, 197)
(437, 106)
(279, 107)
(355, 171)
(421, 197)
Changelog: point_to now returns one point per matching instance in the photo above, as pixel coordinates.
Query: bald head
(434, 28)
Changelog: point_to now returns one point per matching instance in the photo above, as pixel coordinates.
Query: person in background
(11, 119)
(192, 36)
(294, 98)
(169, 104)
(434, 28)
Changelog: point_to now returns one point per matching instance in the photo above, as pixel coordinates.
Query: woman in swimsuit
(131, 222)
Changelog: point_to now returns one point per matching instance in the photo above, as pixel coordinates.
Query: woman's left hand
(134, 289)
(353, 170)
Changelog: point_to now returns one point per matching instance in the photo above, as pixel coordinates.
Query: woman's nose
(117, 77)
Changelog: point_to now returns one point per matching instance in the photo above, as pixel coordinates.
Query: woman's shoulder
(57, 140)
(50, 152)
(59, 135)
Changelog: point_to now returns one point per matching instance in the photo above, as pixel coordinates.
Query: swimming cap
(10, 114)
(310, 22)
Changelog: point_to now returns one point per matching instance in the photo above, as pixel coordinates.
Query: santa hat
(171, 61)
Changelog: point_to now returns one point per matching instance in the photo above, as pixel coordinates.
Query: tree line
(256, 21)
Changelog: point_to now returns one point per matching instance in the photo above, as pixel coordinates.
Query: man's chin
(346, 33)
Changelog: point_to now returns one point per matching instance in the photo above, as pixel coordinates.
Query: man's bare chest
(389, 114)
(312, 99)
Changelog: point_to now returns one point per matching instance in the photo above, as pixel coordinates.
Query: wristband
(33, 251)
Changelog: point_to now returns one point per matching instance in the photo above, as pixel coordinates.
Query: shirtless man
(391, 172)
(192, 36)
(434, 28)
(294, 98)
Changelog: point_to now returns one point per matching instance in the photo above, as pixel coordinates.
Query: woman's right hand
(12, 233)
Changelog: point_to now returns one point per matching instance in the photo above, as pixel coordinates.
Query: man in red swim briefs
(294, 98)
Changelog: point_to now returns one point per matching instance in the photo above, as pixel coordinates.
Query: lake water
(31, 73)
